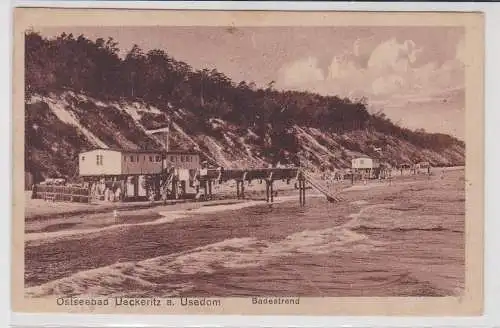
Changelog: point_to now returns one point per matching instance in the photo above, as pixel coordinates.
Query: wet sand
(38, 209)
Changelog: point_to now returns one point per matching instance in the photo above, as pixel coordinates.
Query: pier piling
(269, 197)
(271, 191)
(302, 189)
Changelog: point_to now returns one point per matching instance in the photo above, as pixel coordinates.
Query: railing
(322, 189)
(250, 174)
(61, 193)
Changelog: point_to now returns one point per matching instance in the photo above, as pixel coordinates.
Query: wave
(33, 239)
(161, 274)
(177, 273)
(166, 217)
(397, 218)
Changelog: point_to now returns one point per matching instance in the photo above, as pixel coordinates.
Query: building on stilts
(125, 175)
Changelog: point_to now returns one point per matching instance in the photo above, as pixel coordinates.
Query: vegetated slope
(81, 95)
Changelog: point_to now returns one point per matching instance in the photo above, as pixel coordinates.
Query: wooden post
(303, 192)
(155, 186)
(174, 187)
(237, 189)
(124, 190)
(272, 191)
(243, 178)
(184, 184)
(205, 188)
(210, 188)
(300, 194)
(89, 193)
(136, 186)
(33, 191)
(267, 191)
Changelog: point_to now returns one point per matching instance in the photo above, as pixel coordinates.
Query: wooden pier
(168, 184)
(269, 175)
(242, 176)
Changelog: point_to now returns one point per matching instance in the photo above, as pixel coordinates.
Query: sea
(404, 238)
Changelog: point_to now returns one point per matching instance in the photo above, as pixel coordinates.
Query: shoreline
(164, 216)
(36, 209)
(97, 208)
(57, 227)
(62, 210)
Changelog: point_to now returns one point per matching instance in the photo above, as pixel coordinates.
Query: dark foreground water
(399, 240)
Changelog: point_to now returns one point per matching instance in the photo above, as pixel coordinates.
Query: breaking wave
(160, 273)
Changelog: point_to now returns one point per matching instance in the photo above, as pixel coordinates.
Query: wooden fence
(61, 193)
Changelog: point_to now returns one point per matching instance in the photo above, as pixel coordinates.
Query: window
(158, 158)
(172, 158)
(182, 158)
(144, 158)
(361, 162)
(99, 159)
(150, 158)
(83, 158)
(132, 158)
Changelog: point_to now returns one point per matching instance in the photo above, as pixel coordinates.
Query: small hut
(365, 166)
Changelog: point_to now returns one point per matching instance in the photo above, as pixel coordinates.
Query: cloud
(393, 56)
(301, 72)
(388, 84)
(342, 68)
(395, 77)
(391, 68)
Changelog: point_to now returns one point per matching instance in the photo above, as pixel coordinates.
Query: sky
(415, 75)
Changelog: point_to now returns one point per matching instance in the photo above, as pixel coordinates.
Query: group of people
(112, 192)
(333, 176)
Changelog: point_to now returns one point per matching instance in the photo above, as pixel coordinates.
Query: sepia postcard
(247, 162)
